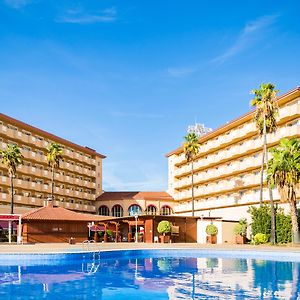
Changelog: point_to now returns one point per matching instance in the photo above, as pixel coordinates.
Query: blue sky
(127, 77)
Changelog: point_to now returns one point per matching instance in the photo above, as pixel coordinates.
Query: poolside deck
(64, 247)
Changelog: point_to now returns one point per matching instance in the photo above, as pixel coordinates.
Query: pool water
(147, 276)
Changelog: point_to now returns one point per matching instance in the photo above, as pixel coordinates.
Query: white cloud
(78, 16)
(180, 72)
(249, 35)
(16, 4)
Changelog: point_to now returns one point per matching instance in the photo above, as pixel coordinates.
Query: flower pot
(240, 239)
(164, 238)
(211, 239)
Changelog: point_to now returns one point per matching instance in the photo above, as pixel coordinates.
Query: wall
(50, 232)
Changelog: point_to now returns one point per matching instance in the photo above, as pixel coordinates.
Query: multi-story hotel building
(78, 180)
(227, 168)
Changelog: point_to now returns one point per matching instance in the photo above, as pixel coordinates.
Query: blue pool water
(148, 275)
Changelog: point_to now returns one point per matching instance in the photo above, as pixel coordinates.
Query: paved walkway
(64, 247)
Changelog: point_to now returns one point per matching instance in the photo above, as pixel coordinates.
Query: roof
(168, 217)
(49, 135)
(135, 195)
(49, 213)
(245, 117)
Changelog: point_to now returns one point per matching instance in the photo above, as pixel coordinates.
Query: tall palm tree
(191, 148)
(54, 156)
(284, 172)
(266, 111)
(11, 157)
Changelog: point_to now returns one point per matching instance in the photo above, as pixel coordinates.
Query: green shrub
(164, 227)
(241, 227)
(283, 228)
(260, 238)
(211, 229)
(261, 223)
(109, 233)
(261, 220)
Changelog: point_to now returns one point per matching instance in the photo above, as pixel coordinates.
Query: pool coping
(267, 253)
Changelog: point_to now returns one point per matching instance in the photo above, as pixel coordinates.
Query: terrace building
(119, 204)
(227, 168)
(77, 182)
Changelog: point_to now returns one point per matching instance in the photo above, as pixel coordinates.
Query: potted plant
(164, 228)
(109, 235)
(240, 230)
(211, 231)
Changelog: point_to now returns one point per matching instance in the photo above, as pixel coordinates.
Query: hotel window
(134, 210)
(117, 211)
(151, 210)
(166, 210)
(103, 210)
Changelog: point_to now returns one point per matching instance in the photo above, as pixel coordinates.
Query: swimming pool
(151, 274)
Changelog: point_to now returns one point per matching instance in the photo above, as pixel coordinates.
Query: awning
(97, 228)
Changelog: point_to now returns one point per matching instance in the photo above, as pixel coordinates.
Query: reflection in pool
(153, 278)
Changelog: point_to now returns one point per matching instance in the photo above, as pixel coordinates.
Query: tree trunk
(262, 177)
(294, 216)
(193, 200)
(52, 184)
(12, 193)
(273, 217)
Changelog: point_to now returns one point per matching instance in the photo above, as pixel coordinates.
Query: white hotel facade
(227, 168)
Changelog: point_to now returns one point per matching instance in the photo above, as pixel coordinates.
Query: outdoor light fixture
(136, 231)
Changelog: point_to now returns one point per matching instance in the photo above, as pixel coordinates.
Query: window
(103, 210)
(134, 210)
(151, 210)
(166, 210)
(117, 211)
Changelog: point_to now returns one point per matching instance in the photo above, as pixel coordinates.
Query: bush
(211, 229)
(164, 227)
(260, 238)
(261, 223)
(261, 220)
(283, 228)
(241, 227)
(109, 233)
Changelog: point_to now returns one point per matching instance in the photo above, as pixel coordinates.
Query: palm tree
(54, 156)
(266, 111)
(284, 172)
(191, 148)
(11, 157)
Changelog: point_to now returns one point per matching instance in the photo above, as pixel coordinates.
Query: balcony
(289, 111)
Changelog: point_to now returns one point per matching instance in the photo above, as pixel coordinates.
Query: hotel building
(227, 168)
(119, 204)
(78, 180)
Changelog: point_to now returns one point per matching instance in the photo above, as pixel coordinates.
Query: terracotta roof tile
(49, 213)
(135, 195)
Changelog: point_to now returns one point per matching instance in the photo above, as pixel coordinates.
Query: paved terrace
(64, 247)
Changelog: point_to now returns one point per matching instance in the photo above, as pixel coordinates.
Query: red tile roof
(49, 213)
(135, 195)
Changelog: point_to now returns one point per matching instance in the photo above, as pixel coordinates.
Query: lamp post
(136, 232)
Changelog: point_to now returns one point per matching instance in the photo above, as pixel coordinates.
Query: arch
(151, 210)
(117, 211)
(134, 209)
(166, 210)
(103, 210)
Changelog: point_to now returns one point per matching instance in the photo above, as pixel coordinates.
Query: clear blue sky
(128, 77)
